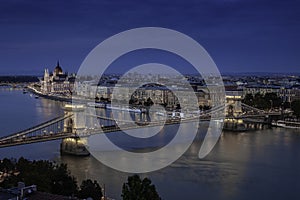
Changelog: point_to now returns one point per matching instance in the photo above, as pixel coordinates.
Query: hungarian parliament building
(58, 82)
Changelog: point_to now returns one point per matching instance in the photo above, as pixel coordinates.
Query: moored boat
(286, 124)
(96, 105)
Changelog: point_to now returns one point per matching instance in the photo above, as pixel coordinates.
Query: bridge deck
(31, 135)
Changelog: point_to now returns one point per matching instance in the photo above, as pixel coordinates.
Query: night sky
(240, 35)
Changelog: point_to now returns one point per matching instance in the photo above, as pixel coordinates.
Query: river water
(261, 164)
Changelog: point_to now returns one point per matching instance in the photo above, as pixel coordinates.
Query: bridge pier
(232, 124)
(74, 146)
(75, 123)
(251, 118)
(238, 124)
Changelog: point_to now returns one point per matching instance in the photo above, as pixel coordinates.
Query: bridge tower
(233, 111)
(234, 100)
(76, 122)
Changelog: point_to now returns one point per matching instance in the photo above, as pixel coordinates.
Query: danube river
(263, 164)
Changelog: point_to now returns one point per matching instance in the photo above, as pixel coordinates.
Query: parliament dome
(58, 69)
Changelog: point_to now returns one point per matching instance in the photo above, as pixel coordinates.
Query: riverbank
(228, 126)
(52, 97)
(67, 99)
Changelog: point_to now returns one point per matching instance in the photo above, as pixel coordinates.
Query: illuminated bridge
(75, 123)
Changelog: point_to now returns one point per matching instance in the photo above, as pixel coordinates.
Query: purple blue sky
(240, 35)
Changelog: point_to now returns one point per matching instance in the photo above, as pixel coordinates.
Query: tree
(7, 165)
(260, 101)
(88, 188)
(206, 107)
(286, 105)
(295, 106)
(62, 182)
(48, 176)
(248, 99)
(131, 101)
(137, 189)
(149, 102)
(164, 104)
(273, 99)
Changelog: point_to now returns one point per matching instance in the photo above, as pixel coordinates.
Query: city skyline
(104, 89)
(240, 36)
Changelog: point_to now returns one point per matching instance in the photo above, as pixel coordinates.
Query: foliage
(267, 101)
(286, 105)
(137, 189)
(88, 188)
(133, 101)
(164, 105)
(204, 108)
(56, 179)
(48, 177)
(248, 99)
(7, 165)
(295, 106)
(149, 102)
(273, 99)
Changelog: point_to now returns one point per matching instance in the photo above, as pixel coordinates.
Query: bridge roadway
(14, 141)
(39, 134)
(35, 128)
(34, 139)
(21, 138)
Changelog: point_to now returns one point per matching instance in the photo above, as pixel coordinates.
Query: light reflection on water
(253, 165)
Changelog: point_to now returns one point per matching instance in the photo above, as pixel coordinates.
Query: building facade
(287, 94)
(58, 82)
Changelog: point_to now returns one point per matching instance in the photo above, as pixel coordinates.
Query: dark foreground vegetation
(56, 179)
(272, 101)
(137, 189)
(48, 176)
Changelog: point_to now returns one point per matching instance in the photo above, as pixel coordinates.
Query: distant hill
(18, 79)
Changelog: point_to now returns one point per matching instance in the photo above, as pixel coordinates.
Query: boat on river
(286, 124)
(124, 109)
(96, 105)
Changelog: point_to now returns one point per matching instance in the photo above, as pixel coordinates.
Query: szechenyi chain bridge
(78, 121)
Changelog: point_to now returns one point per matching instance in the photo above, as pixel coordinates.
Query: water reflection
(253, 165)
(23, 111)
(48, 109)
